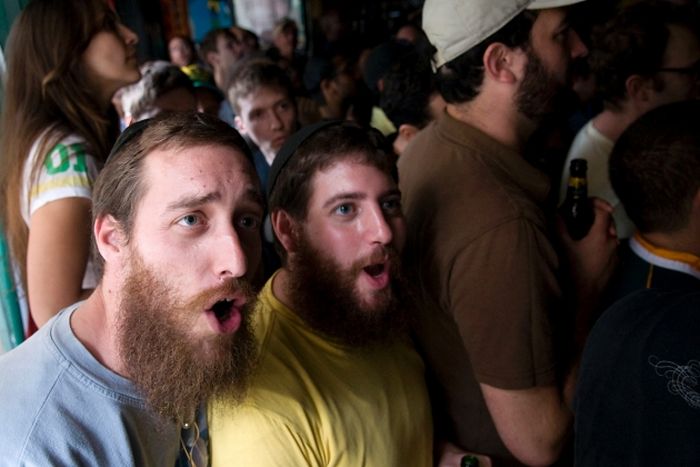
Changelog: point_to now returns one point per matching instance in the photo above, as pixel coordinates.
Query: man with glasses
(646, 56)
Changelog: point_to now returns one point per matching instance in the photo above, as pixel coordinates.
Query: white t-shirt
(593, 146)
(68, 171)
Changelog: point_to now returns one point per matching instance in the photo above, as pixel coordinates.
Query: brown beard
(175, 373)
(540, 94)
(324, 296)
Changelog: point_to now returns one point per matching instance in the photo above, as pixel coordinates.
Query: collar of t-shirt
(675, 260)
(508, 162)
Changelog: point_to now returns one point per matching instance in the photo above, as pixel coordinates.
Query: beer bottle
(469, 461)
(577, 209)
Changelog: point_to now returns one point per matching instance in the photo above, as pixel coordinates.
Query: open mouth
(378, 274)
(225, 316)
(375, 270)
(222, 310)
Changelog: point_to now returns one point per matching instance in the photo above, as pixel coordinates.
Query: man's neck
(94, 326)
(280, 288)
(499, 120)
(219, 79)
(611, 123)
(680, 242)
(269, 156)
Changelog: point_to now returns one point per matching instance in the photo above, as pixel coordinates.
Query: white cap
(455, 26)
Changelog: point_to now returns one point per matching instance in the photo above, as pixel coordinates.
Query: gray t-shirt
(59, 406)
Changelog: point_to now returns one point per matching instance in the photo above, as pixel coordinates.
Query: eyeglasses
(693, 69)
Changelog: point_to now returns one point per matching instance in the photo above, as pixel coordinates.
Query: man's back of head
(409, 97)
(655, 168)
(162, 87)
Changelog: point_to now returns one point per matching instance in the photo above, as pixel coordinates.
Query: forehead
(177, 42)
(349, 174)
(548, 22)
(223, 39)
(170, 173)
(683, 47)
(262, 96)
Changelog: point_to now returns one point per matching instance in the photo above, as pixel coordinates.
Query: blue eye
(392, 205)
(345, 209)
(190, 220)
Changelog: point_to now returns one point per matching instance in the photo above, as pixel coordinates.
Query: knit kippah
(289, 148)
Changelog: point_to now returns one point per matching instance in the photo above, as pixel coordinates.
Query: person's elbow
(533, 423)
(537, 451)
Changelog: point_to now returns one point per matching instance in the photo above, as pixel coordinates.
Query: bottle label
(577, 182)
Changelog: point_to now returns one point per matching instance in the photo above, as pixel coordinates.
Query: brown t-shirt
(486, 272)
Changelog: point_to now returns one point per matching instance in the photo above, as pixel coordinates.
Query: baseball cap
(455, 26)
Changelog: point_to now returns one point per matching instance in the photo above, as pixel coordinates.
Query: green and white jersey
(67, 171)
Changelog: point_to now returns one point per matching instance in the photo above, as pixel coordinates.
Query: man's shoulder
(465, 176)
(57, 412)
(312, 411)
(650, 324)
(635, 392)
(28, 378)
(437, 147)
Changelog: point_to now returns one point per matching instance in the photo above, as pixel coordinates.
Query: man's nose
(377, 227)
(576, 46)
(229, 255)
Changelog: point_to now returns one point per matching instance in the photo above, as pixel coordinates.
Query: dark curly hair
(633, 43)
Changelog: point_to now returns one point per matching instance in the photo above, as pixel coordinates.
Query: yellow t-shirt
(313, 402)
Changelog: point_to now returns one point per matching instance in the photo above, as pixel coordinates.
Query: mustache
(231, 287)
(379, 255)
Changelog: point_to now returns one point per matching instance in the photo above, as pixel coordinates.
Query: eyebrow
(190, 201)
(357, 196)
(255, 196)
(563, 26)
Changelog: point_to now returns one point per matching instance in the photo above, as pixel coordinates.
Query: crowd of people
(262, 256)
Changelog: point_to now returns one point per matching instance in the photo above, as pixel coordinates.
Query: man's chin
(374, 301)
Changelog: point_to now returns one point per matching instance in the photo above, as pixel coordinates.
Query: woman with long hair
(65, 60)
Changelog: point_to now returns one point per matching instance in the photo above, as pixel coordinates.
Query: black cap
(131, 132)
(289, 148)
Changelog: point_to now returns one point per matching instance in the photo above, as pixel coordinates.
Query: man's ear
(327, 89)
(109, 237)
(639, 88)
(212, 58)
(500, 62)
(695, 207)
(405, 134)
(408, 131)
(240, 126)
(285, 228)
